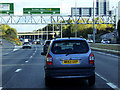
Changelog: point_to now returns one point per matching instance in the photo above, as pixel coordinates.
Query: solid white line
(101, 77)
(108, 83)
(112, 85)
(108, 54)
(18, 70)
(0, 88)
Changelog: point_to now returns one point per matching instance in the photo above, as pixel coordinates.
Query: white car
(90, 41)
(27, 45)
(105, 41)
(0, 42)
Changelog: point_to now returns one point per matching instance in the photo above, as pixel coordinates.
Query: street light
(94, 31)
(75, 19)
(38, 34)
(116, 19)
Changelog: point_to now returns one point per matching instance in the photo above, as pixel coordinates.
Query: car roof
(59, 39)
(47, 40)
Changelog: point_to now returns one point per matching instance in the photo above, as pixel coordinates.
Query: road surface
(24, 68)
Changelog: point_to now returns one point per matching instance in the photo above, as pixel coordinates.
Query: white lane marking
(108, 83)
(18, 70)
(26, 61)
(0, 88)
(6, 53)
(15, 50)
(112, 85)
(108, 54)
(31, 56)
(101, 77)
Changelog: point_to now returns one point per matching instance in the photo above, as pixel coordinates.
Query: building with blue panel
(102, 8)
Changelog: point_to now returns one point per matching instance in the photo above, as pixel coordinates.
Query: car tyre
(91, 80)
(47, 81)
(23, 48)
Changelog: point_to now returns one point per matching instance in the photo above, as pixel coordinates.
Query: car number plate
(70, 61)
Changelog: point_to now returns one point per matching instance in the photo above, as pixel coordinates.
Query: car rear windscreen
(70, 46)
(26, 42)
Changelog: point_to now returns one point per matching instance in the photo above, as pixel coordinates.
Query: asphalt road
(24, 68)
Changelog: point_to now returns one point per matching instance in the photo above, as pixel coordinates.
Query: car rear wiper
(72, 53)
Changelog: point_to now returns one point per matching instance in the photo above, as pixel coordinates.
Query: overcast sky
(64, 5)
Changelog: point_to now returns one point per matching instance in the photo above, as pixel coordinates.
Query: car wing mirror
(43, 53)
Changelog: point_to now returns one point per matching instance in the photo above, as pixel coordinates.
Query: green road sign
(41, 10)
(6, 8)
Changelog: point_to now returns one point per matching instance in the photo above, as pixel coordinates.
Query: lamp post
(47, 32)
(75, 19)
(116, 19)
(94, 31)
(38, 34)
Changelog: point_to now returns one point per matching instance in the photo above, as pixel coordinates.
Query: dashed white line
(6, 53)
(18, 70)
(108, 83)
(15, 50)
(26, 61)
(31, 56)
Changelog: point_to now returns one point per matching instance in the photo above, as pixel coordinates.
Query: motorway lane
(107, 66)
(31, 74)
(13, 60)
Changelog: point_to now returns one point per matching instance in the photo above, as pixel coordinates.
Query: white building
(119, 10)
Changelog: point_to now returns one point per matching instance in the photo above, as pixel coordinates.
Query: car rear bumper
(69, 73)
(26, 46)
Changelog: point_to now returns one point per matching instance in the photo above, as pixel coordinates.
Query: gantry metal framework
(54, 19)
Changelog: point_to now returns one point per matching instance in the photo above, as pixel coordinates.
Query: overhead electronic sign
(41, 10)
(6, 8)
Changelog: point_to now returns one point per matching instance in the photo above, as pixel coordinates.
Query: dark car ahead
(46, 45)
(69, 58)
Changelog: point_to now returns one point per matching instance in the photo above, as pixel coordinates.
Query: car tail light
(49, 59)
(45, 45)
(91, 58)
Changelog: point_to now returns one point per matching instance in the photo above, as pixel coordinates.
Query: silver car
(27, 45)
(69, 58)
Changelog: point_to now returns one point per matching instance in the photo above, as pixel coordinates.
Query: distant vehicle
(26, 40)
(0, 42)
(105, 41)
(90, 41)
(69, 58)
(37, 42)
(45, 47)
(27, 45)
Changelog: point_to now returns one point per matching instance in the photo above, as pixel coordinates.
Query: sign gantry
(54, 19)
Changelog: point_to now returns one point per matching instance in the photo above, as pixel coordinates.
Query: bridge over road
(39, 34)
